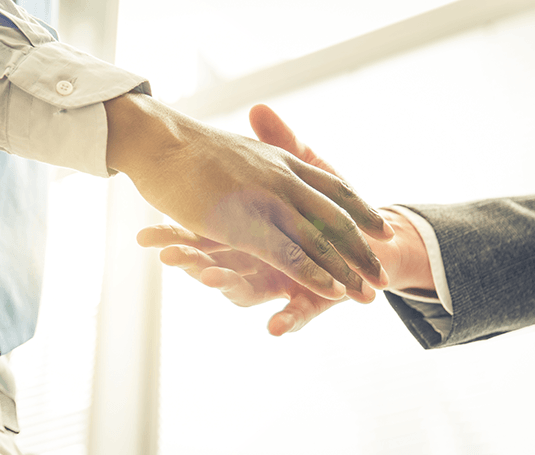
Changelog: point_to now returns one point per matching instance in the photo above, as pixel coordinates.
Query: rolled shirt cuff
(52, 96)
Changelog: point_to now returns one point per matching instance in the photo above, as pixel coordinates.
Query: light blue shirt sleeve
(5, 22)
(23, 203)
(52, 111)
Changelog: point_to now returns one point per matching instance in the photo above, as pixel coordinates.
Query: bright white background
(187, 42)
(447, 122)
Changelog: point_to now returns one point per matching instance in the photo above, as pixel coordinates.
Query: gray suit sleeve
(488, 250)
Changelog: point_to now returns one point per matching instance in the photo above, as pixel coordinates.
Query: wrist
(413, 269)
(138, 128)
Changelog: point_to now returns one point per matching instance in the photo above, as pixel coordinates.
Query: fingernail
(339, 288)
(374, 212)
(375, 266)
(381, 222)
(355, 281)
(383, 278)
(388, 230)
(378, 220)
(368, 293)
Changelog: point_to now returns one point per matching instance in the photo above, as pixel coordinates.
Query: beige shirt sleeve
(51, 96)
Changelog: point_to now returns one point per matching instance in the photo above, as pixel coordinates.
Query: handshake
(294, 229)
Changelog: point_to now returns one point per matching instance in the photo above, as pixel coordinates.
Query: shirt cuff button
(64, 88)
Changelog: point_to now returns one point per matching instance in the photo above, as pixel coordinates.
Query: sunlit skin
(250, 195)
(247, 280)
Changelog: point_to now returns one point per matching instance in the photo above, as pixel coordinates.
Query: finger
(233, 286)
(163, 235)
(314, 242)
(300, 311)
(331, 223)
(342, 194)
(187, 257)
(271, 129)
(242, 263)
(190, 259)
(245, 291)
(278, 250)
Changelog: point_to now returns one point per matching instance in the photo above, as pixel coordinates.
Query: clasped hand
(246, 279)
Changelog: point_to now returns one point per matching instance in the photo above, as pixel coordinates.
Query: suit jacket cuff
(488, 250)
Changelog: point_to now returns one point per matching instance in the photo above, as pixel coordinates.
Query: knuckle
(322, 245)
(301, 317)
(186, 257)
(259, 208)
(344, 190)
(285, 254)
(295, 256)
(347, 226)
(179, 234)
(295, 259)
(265, 209)
(175, 230)
(194, 255)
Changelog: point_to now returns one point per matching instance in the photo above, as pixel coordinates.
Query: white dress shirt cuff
(421, 302)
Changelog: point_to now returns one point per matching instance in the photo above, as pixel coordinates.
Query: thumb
(270, 128)
(302, 308)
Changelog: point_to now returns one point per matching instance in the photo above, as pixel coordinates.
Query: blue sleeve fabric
(40, 120)
(52, 96)
(23, 204)
(5, 22)
(488, 250)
